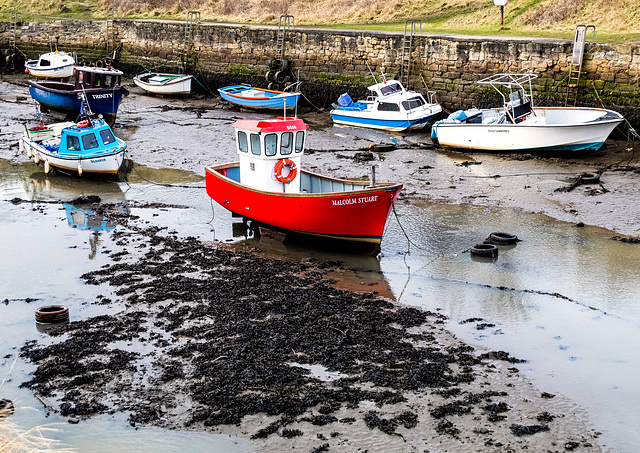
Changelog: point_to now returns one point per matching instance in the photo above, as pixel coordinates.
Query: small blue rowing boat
(259, 98)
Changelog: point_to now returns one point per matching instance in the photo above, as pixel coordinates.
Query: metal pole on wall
(501, 4)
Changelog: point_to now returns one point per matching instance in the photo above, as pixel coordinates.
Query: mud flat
(234, 342)
(231, 342)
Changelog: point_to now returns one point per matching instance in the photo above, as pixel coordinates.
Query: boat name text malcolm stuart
(346, 201)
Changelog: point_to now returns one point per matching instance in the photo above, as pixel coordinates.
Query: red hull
(358, 215)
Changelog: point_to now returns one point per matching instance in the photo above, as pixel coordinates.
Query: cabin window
(44, 62)
(243, 144)
(388, 107)
(255, 144)
(286, 143)
(73, 144)
(299, 141)
(87, 79)
(108, 81)
(270, 144)
(107, 136)
(89, 141)
(390, 89)
(413, 103)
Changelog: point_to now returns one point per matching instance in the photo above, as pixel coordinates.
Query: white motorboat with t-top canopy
(520, 126)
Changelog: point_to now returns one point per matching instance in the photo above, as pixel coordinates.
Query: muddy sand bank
(288, 360)
(285, 360)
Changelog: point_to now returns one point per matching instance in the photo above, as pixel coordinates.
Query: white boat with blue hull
(518, 126)
(389, 107)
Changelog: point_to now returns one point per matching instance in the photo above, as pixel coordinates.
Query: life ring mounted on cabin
(83, 123)
(293, 171)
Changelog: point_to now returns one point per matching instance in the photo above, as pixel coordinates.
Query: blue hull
(391, 125)
(103, 101)
(269, 100)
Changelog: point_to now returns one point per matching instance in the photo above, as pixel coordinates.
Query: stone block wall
(445, 63)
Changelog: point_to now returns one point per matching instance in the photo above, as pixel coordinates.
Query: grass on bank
(616, 21)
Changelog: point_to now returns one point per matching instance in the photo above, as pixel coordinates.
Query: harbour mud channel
(187, 333)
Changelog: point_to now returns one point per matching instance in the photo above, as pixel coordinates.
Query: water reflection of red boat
(265, 186)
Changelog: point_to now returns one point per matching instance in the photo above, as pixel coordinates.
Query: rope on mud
(319, 109)
(520, 174)
(182, 186)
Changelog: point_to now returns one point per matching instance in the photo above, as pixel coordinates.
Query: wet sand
(393, 379)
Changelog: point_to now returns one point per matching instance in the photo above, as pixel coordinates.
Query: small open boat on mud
(164, 84)
(268, 186)
(101, 85)
(389, 107)
(519, 126)
(87, 146)
(56, 65)
(259, 98)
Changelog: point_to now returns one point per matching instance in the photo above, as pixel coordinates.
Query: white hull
(389, 121)
(52, 65)
(551, 128)
(52, 73)
(165, 84)
(104, 163)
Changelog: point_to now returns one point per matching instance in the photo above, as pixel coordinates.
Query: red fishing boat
(268, 186)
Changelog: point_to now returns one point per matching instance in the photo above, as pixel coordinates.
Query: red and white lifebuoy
(83, 123)
(293, 170)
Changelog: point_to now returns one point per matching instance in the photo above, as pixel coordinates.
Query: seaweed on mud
(233, 334)
(522, 430)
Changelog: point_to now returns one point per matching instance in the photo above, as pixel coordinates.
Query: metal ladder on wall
(189, 61)
(573, 81)
(410, 26)
(111, 31)
(286, 22)
(16, 18)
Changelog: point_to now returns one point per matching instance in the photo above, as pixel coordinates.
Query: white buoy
(20, 146)
(79, 168)
(36, 157)
(29, 151)
(47, 167)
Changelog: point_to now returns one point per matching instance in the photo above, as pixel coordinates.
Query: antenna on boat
(372, 74)
(85, 108)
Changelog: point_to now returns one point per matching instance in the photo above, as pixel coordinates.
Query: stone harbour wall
(448, 64)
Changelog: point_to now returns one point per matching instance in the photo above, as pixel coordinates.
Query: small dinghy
(259, 98)
(86, 146)
(52, 65)
(164, 84)
(519, 126)
(268, 186)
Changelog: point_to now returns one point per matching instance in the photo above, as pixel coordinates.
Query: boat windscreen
(413, 103)
(390, 89)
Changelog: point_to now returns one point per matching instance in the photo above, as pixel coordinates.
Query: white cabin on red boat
(270, 152)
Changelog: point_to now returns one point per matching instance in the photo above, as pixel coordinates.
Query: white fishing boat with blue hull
(518, 126)
(87, 146)
(389, 107)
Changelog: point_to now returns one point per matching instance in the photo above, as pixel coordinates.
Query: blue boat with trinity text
(102, 87)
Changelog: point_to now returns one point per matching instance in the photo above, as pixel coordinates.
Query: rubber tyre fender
(51, 314)
(589, 178)
(489, 250)
(281, 76)
(498, 237)
(285, 65)
(272, 86)
(270, 76)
